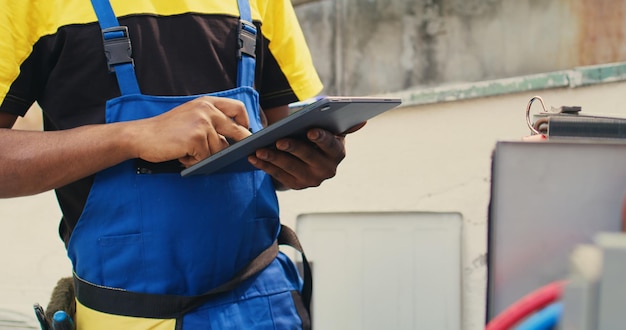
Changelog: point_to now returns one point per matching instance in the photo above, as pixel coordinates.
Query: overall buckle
(247, 39)
(117, 48)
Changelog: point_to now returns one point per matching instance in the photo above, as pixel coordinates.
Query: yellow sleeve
(18, 34)
(288, 46)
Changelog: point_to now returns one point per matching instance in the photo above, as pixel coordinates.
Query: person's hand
(298, 164)
(191, 131)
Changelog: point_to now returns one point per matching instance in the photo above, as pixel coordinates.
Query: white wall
(420, 158)
(437, 158)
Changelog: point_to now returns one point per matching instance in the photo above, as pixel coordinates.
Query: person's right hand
(192, 131)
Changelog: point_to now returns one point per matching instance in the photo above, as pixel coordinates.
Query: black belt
(162, 306)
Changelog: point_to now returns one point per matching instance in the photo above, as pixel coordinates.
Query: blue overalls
(148, 247)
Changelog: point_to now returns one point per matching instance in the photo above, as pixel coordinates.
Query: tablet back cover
(335, 114)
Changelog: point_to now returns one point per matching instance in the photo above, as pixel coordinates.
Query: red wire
(530, 303)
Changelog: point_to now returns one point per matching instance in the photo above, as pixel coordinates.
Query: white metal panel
(384, 270)
(548, 197)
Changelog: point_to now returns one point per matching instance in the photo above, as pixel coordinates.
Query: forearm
(34, 162)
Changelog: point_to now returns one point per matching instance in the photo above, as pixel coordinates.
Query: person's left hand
(298, 164)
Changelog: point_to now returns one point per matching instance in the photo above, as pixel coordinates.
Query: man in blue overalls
(131, 102)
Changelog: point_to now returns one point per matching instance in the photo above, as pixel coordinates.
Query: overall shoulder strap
(117, 47)
(247, 46)
(118, 50)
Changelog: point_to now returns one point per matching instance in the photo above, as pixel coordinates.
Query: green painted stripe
(598, 74)
(577, 77)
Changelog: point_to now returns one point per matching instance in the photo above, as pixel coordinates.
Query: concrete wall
(371, 47)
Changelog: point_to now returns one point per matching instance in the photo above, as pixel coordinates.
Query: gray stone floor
(32, 255)
(10, 320)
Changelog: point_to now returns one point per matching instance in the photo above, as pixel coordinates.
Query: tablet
(335, 114)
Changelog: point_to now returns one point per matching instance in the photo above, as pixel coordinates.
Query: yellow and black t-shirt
(51, 52)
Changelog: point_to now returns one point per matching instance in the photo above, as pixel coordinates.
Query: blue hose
(544, 319)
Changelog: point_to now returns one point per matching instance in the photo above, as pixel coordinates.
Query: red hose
(524, 307)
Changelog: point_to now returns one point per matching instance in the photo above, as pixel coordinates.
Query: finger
(198, 150)
(229, 117)
(192, 158)
(228, 128)
(281, 176)
(214, 140)
(285, 162)
(233, 109)
(187, 161)
(353, 128)
(224, 142)
(307, 153)
(328, 143)
(211, 148)
(307, 162)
